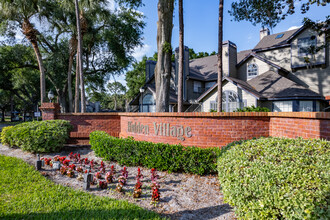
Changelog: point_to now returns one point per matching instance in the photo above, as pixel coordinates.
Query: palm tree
(181, 54)
(20, 13)
(164, 48)
(79, 60)
(220, 72)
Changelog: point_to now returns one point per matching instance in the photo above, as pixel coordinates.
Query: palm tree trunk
(72, 51)
(164, 65)
(76, 97)
(82, 86)
(181, 54)
(31, 35)
(220, 55)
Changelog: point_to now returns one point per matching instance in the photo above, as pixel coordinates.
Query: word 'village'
(162, 129)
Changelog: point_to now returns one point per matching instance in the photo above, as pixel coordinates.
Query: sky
(201, 26)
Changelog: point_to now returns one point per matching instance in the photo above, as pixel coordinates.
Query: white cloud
(141, 51)
(293, 27)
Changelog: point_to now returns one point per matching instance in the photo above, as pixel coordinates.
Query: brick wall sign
(202, 129)
(160, 129)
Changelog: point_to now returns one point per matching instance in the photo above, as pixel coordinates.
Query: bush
(273, 178)
(173, 158)
(37, 136)
(252, 109)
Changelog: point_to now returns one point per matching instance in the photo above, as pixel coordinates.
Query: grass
(26, 194)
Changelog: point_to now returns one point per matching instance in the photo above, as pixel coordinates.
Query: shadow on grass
(202, 213)
(113, 213)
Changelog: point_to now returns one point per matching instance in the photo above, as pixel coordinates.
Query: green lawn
(26, 194)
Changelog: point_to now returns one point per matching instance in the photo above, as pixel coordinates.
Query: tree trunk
(220, 72)
(164, 66)
(72, 51)
(3, 114)
(115, 98)
(31, 35)
(82, 86)
(181, 54)
(76, 97)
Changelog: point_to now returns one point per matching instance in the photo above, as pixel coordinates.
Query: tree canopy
(269, 13)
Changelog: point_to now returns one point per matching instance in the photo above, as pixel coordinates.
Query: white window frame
(303, 44)
(198, 86)
(252, 70)
(283, 106)
(305, 106)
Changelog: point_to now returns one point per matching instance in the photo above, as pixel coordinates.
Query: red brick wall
(84, 124)
(308, 125)
(207, 129)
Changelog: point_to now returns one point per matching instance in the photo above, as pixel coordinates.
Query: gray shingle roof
(271, 85)
(242, 54)
(271, 41)
(204, 69)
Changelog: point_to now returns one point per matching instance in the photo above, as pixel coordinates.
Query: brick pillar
(49, 110)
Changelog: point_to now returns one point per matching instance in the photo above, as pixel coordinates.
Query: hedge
(172, 158)
(274, 178)
(37, 136)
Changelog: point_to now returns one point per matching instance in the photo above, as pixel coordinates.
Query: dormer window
(306, 46)
(252, 70)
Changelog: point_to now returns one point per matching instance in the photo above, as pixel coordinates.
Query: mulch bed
(183, 196)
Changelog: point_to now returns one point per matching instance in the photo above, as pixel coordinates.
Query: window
(279, 36)
(209, 85)
(230, 101)
(282, 106)
(306, 46)
(148, 103)
(252, 70)
(305, 106)
(197, 86)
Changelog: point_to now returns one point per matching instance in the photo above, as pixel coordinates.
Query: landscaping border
(211, 129)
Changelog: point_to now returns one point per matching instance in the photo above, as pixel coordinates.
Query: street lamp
(141, 104)
(50, 95)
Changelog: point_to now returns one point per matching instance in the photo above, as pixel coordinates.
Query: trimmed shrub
(6, 135)
(37, 136)
(252, 109)
(274, 178)
(172, 158)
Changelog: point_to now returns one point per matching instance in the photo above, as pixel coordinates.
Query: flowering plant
(70, 172)
(72, 166)
(124, 172)
(61, 159)
(155, 194)
(139, 176)
(56, 158)
(92, 164)
(66, 162)
(122, 180)
(79, 169)
(103, 185)
(63, 170)
(71, 156)
(94, 181)
(154, 175)
(113, 170)
(86, 161)
(109, 177)
(47, 161)
(98, 175)
(137, 189)
(102, 167)
(119, 187)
